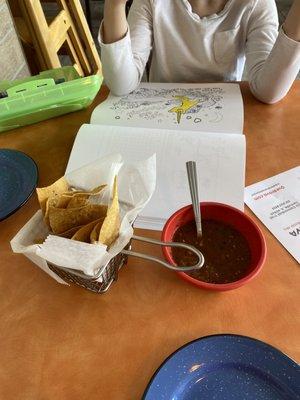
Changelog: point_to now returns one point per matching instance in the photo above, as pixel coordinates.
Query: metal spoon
(193, 184)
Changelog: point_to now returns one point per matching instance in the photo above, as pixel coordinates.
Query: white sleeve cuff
(287, 40)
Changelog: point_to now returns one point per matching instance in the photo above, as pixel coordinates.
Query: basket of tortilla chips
(85, 221)
(82, 233)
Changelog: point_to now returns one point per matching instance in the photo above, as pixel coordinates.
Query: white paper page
(220, 160)
(276, 202)
(196, 107)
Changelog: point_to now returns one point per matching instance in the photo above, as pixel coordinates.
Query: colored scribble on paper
(186, 104)
(177, 106)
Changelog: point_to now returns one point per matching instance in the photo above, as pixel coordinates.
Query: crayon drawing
(186, 104)
(208, 107)
(193, 105)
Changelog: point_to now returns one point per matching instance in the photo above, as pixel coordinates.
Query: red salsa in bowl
(232, 244)
(226, 252)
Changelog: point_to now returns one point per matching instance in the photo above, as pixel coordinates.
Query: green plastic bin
(47, 95)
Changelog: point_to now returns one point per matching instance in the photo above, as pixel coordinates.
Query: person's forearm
(292, 23)
(124, 60)
(114, 22)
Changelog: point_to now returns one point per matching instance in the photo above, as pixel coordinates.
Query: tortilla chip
(83, 234)
(78, 201)
(98, 190)
(56, 188)
(63, 201)
(111, 226)
(70, 233)
(62, 220)
(80, 198)
(59, 201)
(95, 232)
(94, 192)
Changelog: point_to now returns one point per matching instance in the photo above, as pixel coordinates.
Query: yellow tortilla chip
(95, 191)
(59, 201)
(62, 220)
(63, 201)
(78, 201)
(80, 198)
(83, 234)
(111, 226)
(95, 232)
(70, 233)
(56, 188)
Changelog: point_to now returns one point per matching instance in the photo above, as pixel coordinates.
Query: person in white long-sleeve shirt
(200, 41)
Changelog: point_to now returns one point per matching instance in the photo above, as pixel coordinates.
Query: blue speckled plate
(226, 367)
(18, 179)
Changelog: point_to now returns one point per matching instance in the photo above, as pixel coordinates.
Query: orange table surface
(59, 342)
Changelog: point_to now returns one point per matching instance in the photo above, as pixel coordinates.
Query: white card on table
(276, 202)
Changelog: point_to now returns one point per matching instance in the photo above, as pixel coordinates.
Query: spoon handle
(193, 184)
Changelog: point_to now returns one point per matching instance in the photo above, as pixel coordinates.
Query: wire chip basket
(109, 272)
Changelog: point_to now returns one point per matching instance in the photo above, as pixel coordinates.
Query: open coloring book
(179, 123)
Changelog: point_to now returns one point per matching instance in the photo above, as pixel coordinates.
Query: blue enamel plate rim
(280, 353)
(34, 186)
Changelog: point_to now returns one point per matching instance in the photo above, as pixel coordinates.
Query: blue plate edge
(208, 337)
(31, 193)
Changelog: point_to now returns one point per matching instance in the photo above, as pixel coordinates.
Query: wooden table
(59, 342)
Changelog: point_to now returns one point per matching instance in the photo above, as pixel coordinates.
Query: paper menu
(276, 202)
(220, 161)
(197, 107)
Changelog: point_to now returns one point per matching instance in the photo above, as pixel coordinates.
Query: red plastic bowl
(231, 216)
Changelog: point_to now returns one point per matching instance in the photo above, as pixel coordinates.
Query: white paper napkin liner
(96, 173)
(72, 254)
(34, 229)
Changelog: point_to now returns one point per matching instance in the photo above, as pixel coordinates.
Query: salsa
(226, 251)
